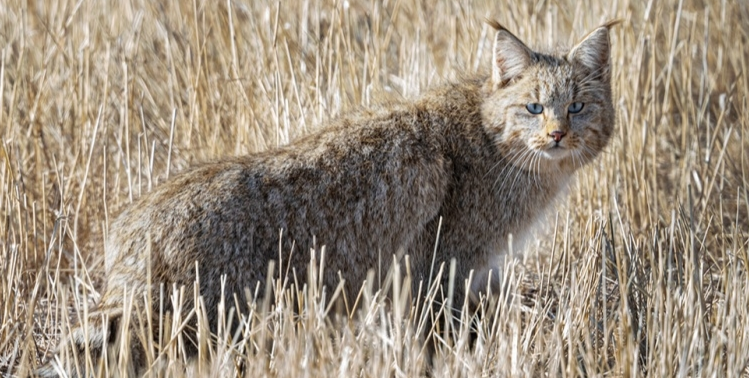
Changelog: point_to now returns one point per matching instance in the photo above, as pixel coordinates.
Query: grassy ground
(642, 271)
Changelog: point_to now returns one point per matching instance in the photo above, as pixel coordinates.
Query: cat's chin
(555, 153)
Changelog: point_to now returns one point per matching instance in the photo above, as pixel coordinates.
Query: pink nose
(557, 135)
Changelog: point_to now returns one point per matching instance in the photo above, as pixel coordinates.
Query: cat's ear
(511, 56)
(594, 50)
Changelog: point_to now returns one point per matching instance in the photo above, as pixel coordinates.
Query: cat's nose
(557, 135)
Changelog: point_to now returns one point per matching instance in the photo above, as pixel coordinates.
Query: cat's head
(550, 112)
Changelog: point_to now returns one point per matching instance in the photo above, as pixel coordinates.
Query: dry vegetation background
(642, 272)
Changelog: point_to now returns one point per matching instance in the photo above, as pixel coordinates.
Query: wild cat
(483, 156)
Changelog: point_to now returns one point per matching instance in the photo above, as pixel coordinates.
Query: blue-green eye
(575, 107)
(535, 108)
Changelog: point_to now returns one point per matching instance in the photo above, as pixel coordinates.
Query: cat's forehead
(553, 76)
(552, 64)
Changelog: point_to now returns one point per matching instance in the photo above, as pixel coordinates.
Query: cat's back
(367, 181)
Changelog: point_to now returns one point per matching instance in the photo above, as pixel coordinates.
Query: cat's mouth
(555, 151)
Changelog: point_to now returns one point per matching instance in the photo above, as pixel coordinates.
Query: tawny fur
(375, 183)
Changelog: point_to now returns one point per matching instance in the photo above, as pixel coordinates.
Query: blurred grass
(642, 272)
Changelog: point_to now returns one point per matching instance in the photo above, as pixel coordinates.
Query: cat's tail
(79, 353)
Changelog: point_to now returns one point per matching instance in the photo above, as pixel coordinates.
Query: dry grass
(643, 272)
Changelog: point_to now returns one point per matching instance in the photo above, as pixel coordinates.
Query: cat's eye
(535, 108)
(575, 107)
